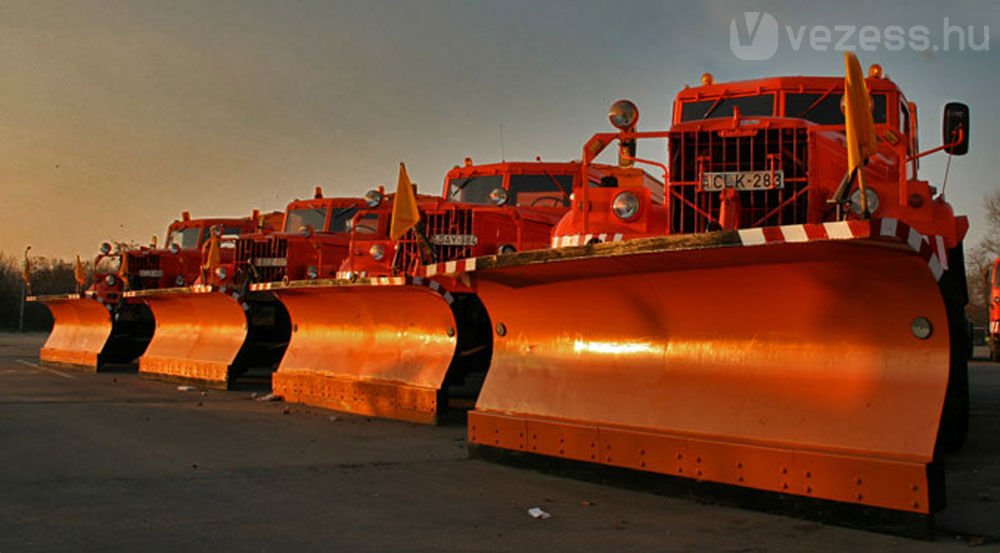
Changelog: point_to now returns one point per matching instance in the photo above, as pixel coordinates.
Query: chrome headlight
(110, 280)
(377, 251)
(373, 198)
(625, 205)
(174, 248)
(105, 248)
(179, 281)
(221, 273)
(623, 114)
(312, 272)
(870, 195)
(498, 196)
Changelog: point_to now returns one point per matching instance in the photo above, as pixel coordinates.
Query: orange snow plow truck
(393, 335)
(101, 325)
(216, 330)
(796, 326)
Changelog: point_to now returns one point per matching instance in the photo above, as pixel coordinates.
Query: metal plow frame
(199, 333)
(85, 334)
(789, 367)
(380, 348)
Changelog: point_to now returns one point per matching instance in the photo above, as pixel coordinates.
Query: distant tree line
(980, 257)
(48, 276)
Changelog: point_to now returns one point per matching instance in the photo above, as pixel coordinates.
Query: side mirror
(955, 123)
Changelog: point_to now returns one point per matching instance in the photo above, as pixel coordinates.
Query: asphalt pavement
(114, 462)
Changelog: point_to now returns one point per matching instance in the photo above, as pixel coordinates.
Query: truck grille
(144, 271)
(695, 152)
(413, 251)
(263, 258)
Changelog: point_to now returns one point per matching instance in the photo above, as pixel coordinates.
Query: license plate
(742, 180)
(454, 240)
(270, 262)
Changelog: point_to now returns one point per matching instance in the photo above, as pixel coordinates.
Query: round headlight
(312, 272)
(625, 205)
(506, 248)
(623, 114)
(179, 281)
(110, 280)
(174, 248)
(373, 198)
(105, 248)
(870, 195)
(921, 328)
(221, 273)
(377, 251)
(498, 196)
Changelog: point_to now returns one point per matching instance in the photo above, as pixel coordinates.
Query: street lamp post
(24, 291)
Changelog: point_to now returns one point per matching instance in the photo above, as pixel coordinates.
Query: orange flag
(26, 274)
(211, 255)
(79, 274)
(123, 266)
(860, 125)
(405, 214)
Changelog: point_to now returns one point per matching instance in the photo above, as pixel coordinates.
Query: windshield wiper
(460, 186)
(817, 102)
(558, 185)
(715, 104)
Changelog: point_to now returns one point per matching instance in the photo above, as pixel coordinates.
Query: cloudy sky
(116, 116)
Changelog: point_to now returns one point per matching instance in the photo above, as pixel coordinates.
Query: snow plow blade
(379, 350)
(198, 336)
(85, 335)
(814, 368)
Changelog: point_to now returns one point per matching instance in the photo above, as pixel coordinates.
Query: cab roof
(773, 84)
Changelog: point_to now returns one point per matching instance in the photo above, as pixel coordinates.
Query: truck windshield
(185, 238)
(298, 219)
(341, 220)
(825, 110)
(761, 105)
(540, 190)
(474, 190)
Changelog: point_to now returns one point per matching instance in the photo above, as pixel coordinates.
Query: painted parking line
(46, 369)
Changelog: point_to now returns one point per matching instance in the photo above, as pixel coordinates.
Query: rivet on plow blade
(371, 350)
(788, 369)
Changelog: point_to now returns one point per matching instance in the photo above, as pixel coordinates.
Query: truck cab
(312, 243)
(483, 210)
(178, 263)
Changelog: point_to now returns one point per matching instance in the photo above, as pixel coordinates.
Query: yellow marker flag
(123, 266)
(860, 125)
(405, 214)
(211, 254)
(79, 274)
(26, 274)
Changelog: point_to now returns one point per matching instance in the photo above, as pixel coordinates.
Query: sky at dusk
(116, 116)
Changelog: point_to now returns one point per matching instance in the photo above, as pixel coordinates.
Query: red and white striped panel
(448, 267)
(994, 327)
(567, 240)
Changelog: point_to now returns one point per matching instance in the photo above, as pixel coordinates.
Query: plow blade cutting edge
(791, 368)
(372, 350)
(198, 337)
(84, 334)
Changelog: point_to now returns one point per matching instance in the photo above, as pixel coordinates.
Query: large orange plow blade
(372, 350)
(792, 368)
(81, 327)
(86, 334)
(198, 336)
